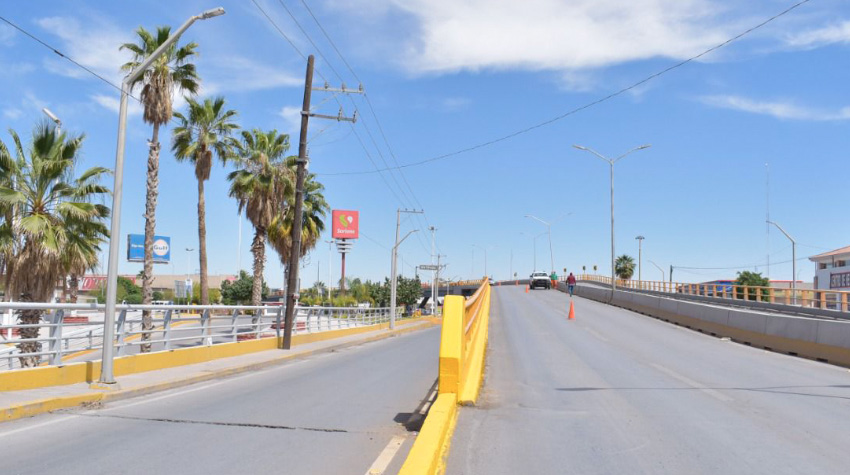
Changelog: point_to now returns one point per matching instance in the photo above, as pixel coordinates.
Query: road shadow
(412, 421)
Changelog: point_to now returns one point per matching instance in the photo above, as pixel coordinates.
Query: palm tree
(49, 207)
(204, 133)
(260, 184)
(83, 247)
(172, 70)
(315, 209)
(624, 267)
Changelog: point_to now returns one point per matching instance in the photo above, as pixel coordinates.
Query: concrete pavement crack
(214, 423)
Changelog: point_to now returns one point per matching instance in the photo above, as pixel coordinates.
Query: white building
(832, 269)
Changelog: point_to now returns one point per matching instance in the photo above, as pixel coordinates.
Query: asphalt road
(614, 392)
(333, 413)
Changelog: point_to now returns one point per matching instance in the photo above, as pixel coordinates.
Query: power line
(298, 24)
(587, 105)
(371, 110)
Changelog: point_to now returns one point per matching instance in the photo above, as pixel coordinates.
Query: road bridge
(618, 392)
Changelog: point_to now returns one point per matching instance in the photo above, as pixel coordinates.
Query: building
(832, 269)
(161, 282)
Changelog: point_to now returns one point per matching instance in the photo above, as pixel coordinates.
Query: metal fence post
(56, 337)
(307, 324)
(279, 320)
(122, 322)
(258, 317)
(205, 327)
(166, 329)
(234, 331)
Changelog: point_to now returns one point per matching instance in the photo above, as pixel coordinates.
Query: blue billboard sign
(136, 248)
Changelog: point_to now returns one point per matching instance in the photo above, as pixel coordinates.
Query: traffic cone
(526, 289)
(572, 315)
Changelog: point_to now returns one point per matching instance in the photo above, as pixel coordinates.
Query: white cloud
(12, 113)
(291, 117)
(473, 35)
(112, 103)
(451, 104)
(836, 33)
(94, 45)
(7, 33)
(778, 109)
(239, 74)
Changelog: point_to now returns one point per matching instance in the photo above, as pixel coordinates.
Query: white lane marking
(386, 456)
(690, 382)
(36, 426)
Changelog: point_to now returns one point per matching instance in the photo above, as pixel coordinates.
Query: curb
(41, 406)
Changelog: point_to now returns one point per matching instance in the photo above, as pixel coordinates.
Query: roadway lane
(330, 413)
(617, 392)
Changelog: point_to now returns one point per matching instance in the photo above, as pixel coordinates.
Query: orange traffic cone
(572, 315)
(526, 289)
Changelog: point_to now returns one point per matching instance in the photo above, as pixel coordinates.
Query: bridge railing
(68, 331)
(835, 300)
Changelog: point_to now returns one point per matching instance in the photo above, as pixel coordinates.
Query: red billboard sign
(346, 224)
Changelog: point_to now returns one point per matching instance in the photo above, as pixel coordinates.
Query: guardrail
(463, 342)
(175, 326)
(835, 300)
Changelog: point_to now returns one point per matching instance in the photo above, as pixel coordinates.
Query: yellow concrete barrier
(463, 346)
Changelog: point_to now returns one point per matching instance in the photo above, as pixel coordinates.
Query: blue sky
(445, 75)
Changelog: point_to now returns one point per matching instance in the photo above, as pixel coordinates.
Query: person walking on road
(571, 283)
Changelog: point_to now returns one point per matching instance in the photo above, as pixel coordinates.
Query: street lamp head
(211, 13)
(52, 116)
(640, 238)
(644, 146)
(579, 147)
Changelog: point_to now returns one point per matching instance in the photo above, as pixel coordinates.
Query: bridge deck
(618, 392)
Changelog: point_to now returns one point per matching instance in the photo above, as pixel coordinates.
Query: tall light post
(611, 163)
(107, 379)
(534, 244)
(434, 291)
(793, 262)
(659, 268)
(549, 232)
(640, 252)
(393, 280)
(485, 257)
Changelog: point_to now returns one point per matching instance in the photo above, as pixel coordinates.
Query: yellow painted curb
(41, 406)
(431, 448)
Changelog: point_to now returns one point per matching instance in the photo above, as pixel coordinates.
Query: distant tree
(624, 267)
(409, 291)
(751, 279)
(239, 291)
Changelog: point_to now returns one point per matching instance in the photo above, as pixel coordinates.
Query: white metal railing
(61, 339)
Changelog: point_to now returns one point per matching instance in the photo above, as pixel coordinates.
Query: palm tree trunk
(29, 317)
(74, 287)
(202, 243)
(258, 249)
(150, 229)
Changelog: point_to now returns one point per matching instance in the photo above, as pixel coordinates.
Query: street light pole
(611, 163)
(640, 253)
(330, 277)
(106, 368)
(53, 117)
(793, 262)
(186, 286)
(548, 231)
(393, 283)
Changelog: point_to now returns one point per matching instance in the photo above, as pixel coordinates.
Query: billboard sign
(346, 224)
(136, 248)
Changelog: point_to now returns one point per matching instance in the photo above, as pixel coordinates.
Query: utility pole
(434, 273)
(793, 262)
(330, 261)
(640, 253)
(301, 171)
(393, 271)
(671, 273)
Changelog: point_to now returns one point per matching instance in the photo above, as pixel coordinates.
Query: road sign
(180, 289)
(429, 267)
(136, 248)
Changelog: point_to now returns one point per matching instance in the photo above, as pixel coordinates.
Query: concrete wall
(821, 339)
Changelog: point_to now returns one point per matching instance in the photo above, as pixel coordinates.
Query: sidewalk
(30, 402)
